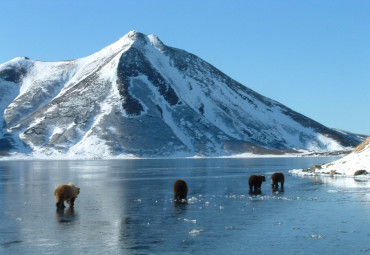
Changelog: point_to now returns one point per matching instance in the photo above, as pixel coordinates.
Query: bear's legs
(60, 203)
(275, 185)
(256, 189)
(257, 186)
(71, 202)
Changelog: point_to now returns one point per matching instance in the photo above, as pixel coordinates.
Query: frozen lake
(126, 207)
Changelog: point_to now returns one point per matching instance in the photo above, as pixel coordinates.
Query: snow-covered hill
(140, 97)
(357, 163)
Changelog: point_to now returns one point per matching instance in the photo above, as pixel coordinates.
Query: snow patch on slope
(156, 42)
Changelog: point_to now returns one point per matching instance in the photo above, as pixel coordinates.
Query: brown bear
(255, 182)
(360, 172)
(180, 190)
(66, 192)
(275, 179)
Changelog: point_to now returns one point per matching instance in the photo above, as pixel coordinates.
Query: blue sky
(312, 56)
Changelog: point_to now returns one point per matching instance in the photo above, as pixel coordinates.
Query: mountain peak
(134, 35)
(141, 39)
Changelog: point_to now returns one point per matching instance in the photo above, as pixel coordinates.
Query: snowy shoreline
(304, 172)
(355, 164)
(20, 156)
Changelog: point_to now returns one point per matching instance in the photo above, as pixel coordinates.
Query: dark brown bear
(255, 182)
(275, 179)
(180, 190)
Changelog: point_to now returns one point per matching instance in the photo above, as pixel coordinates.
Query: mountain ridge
(138, 96)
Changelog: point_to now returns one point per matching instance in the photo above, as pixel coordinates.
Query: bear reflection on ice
(66, 192)
(65, 216)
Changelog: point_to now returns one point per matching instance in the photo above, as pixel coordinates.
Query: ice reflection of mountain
(343, 182)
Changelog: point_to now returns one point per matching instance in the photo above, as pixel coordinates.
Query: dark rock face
(132, 64)
(12, 75)
(5, 145)
(138, 96)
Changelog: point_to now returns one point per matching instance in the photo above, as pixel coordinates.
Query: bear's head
(76, 189)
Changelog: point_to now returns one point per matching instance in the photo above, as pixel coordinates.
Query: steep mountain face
(138, 96)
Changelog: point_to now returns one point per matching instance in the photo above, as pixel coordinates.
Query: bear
(275, 179)
(255, 182)
(360, 172)
(180, 190)
(66, 192)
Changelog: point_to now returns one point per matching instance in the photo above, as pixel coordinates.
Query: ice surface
(127, 207)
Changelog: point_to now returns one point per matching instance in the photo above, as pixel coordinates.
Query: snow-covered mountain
(140, 97)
